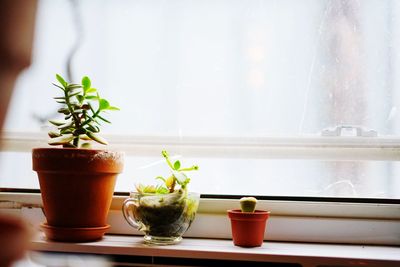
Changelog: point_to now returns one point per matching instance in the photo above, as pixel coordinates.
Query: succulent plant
(248, 204)
(82, 108)
(177, 177)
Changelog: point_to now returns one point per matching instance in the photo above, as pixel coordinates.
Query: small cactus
(248, 204)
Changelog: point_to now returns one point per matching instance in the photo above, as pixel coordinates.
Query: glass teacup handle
(128, 208)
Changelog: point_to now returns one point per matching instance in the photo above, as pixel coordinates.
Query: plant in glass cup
(163, 212)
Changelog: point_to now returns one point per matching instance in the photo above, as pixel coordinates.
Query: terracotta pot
(248, 228)
(77, 185)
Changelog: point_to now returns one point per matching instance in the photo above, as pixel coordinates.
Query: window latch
(349, 130)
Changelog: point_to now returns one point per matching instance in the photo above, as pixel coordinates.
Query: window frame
(268, 147)
(299, 219)
(290, 221)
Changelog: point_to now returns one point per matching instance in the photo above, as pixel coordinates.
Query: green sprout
(82, 107)
(177, 177)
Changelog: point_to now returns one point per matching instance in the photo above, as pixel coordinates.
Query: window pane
(222, 67)
(235, 176)
(228, 68)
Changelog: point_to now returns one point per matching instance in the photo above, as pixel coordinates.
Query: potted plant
(248, 224)
(163, 212)
(77, 182)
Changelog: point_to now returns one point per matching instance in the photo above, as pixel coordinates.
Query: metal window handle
(349, 130)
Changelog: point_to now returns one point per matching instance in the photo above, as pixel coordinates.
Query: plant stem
(193, 168)
(166, 156)
(74, 116)
(95, 114)
(76, 141)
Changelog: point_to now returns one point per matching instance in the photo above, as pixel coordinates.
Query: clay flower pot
(248, 228)
(77, 186)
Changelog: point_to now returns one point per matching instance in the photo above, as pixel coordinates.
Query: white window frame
(300, 221)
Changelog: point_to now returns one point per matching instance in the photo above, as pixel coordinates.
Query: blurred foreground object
(14, 239)
(17, 22)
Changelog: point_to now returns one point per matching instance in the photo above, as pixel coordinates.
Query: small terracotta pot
(248, 228)
(76, 185)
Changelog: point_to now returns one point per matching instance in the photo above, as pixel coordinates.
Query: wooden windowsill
(305, 254)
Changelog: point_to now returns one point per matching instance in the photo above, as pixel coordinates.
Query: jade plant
(248, 204)
(178, 178)
(82, 109)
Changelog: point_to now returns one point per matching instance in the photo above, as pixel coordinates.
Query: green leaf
(97, 138)
(61, 102)
(73, 92)
(61, 140)
(89, 119)
(193, 168)
(91, 90)
(59, 98)
(86, 145)
(103, 104)
(61, 80)
(66, 125)
(69, 145)
(80, 98)
(177, 165)
(85, 137)
(165, 154)
(64, 111)
(53, 134)
(56, 122)
(93, 128)
(103, 119)
(90, 97)
(162, 190)
(146, 189)
(66, 131)
(86, 83)
(112, 108)
(74, 86)
(58, 86)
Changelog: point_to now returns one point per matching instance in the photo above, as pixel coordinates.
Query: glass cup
(163, 218)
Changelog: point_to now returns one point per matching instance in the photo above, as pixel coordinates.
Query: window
(226, 84)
